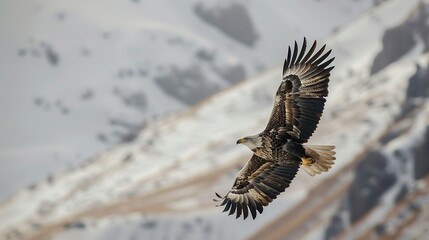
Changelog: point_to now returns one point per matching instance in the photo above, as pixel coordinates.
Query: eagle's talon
(307, 161)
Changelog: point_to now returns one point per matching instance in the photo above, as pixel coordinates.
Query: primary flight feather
(279, 150)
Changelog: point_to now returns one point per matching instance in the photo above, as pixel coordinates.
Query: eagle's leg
(298, 150)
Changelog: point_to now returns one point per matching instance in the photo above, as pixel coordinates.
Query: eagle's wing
(257, 184)
(300, 99)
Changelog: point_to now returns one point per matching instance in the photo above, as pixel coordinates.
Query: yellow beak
(243, 140)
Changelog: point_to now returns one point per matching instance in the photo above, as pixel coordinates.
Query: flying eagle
(279, 150)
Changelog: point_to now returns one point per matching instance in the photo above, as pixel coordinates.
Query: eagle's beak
(240, 141)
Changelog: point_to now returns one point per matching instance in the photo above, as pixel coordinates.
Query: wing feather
(307, 56)
(295, 52)
(316, 55)
(300, 98)
(257, 184)
(287, 60)
(301, 54)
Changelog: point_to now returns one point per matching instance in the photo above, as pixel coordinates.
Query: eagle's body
(268, 147)
(279, 149)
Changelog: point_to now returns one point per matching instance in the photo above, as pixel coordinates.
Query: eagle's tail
(323, 157)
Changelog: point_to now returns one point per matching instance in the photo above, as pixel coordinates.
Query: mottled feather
(300, 99)
(257, 184)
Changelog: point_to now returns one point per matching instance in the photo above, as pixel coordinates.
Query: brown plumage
(279, 150)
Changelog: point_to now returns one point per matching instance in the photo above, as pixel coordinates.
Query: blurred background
(120, 117)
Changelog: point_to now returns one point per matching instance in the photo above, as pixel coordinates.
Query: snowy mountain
(159, 185)
(80, 76)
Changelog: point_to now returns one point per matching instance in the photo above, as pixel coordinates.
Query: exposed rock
(232, 73)
(371, 181)
(233, 20)
(421, 166)
(397, 41)
(22, 52)
(136, 100)
(335, 227)
(52, 56)
(102, 138)
(404, 190)
(205, 55)
(61, 16)
(423, 24)
(419, 83)
(76, 225)
(149, 224)
(128, 132)
(187, 85)
(87, 95)
(380, 229)
(38, 101)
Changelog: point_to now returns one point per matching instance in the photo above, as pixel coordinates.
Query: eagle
(280, 149)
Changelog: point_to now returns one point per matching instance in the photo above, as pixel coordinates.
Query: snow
(114, 50)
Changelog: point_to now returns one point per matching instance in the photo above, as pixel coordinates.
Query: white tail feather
(323, 156)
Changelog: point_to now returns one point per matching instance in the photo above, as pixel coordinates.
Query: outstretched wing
(300, 99)
(257, 184)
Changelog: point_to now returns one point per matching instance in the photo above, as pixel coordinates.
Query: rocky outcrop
(399, 40)
(421, 166)
(232, 20)
(371, 181)
(372, 177)
(419, 83)
(188, 85)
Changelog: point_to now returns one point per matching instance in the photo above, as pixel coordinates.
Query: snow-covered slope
(80, 76)
(160, 185)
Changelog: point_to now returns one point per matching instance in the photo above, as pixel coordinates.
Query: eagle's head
(252, 142)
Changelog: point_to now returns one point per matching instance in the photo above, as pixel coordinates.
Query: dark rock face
(421, 158)
(125, 131)
(418, 87)
(233, 20)
(149, 224)
(371, 181)
(187, 85)
(52, 56)
(401, 39)
(404, 190)
(136, 100)
(41, 49)
(232, 73)
(423, 24)
(76, 225)
(397, 42)
(419, 83)
(335, 227)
